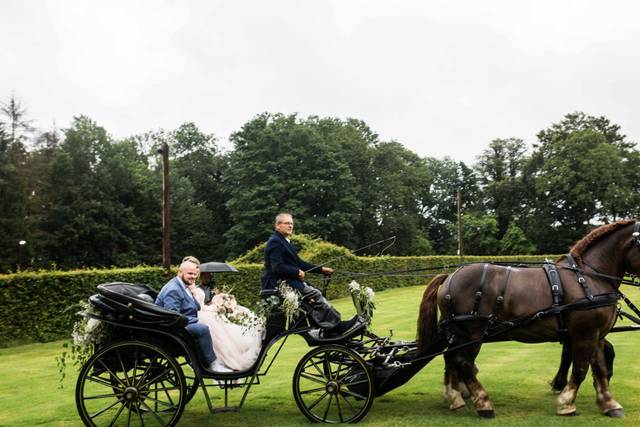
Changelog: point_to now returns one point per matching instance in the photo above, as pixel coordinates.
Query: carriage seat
(135, 303)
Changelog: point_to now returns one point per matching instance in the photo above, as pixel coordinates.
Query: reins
(634, 281)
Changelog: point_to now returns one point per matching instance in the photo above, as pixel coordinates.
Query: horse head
(612, 249)
(632, 255)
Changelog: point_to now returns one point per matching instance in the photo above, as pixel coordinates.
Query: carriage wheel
(131, 383)
(332, 384)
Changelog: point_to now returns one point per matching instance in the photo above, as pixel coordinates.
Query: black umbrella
(217, 267)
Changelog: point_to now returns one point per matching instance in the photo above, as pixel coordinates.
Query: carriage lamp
(21, 243)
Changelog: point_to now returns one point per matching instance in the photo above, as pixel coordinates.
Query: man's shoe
(341, 328)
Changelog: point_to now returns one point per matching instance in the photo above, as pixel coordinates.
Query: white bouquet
(363, 300)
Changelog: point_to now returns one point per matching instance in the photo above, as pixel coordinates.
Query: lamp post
(21, 243)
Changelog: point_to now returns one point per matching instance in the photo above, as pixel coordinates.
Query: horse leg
(583, 350)
(451, 390)
(600, 371)
(464, 363)
(560, 380)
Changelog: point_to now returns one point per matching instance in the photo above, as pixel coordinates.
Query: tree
(514, 242)
(15, 123)
(102, 211)
(479, 234)
(12, 184)
(282, 163)
(581, 175)
(199, 194)
(499, 170)
(439, 209)
(400, 187)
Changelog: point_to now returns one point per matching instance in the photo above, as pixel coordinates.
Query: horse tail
(427, 337)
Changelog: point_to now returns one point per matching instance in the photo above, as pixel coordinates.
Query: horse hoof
(487, 414)
(569, 414)
(455, 408)
(615, 413)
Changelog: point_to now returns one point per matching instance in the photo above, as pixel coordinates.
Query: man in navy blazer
(175, 296)
(282, 263)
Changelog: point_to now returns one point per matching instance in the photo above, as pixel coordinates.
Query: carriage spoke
(339, 409)
(112, 374)
(102, 396)
(105, 409)
(124, 371)
(161, 376)
(317, 368)
(140, 415)
(102, 381)
(312, 378)
(356, 395)
(155, 415)
(163, 403)
(353, 410)
(326, 411)
(115, 418)
(129, 416)
(318, 400)
(313, 390)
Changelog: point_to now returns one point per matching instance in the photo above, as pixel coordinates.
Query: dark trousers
(321, 313)
(203, 338)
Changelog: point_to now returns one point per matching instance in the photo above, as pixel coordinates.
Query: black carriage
(150, 368)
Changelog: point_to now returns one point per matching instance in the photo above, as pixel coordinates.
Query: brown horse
(484, 302)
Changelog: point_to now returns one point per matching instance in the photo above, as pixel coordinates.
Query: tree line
(80, 198)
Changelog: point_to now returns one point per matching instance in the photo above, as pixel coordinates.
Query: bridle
(635, 280)
(635, 235)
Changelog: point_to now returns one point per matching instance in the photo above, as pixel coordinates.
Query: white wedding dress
(236, 346)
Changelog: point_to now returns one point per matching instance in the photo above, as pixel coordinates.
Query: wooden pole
(459, 203)
(166, 249)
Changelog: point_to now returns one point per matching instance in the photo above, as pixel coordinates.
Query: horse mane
(581, 246)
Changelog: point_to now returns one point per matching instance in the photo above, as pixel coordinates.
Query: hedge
(41, 306)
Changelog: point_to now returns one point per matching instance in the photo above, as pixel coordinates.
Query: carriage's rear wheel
(131, 383)
(333, 384)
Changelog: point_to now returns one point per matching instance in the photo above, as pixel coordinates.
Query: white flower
(91, 325)
(354, 286)
(369, 292)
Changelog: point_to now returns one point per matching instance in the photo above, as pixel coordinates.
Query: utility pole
(459, 202)
(166, 250)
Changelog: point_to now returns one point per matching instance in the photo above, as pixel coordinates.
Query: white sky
(442, 77)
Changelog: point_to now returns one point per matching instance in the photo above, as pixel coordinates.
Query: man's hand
(327, 271)
(300, 274)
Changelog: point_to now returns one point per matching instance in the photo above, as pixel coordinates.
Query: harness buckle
(581, 280)
(478, 294)
(555, 288)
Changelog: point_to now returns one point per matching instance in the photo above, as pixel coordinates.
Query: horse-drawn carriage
(150, 369)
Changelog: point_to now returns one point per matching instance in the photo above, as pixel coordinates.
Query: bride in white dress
(236, 346)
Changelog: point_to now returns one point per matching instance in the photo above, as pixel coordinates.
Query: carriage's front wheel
(131, 383)
(333, 384)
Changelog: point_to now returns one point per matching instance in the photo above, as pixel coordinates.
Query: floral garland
(363, 300)
(87, 333)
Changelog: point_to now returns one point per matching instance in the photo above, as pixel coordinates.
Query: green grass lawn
(515, 375)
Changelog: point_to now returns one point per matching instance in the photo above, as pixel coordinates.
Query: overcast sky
(443, 78)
